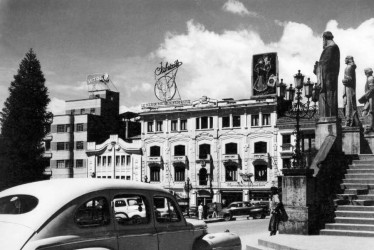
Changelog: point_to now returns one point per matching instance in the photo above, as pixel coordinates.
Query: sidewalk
(306, 242)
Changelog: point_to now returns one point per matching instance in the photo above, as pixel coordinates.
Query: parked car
(130, 207)
(81, 214)
(244, 208)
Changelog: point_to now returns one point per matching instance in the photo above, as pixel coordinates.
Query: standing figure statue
(327, 71)
(349, 94)
(367, 99)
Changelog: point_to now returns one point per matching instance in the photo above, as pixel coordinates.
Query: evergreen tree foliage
(24, 121)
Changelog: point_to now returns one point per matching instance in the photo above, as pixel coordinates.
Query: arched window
(179, 150)
(155, 151)
(203, 176)
(231, 148)
(204, 150)
(260, 147)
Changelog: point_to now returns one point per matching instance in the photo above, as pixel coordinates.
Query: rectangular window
(231, 173)
(67, 145)
(93, 111)
(79, 163)
(261, 173)
(109, 160)
(225, 122)
(60, 145)
(79, 145)
(155, 174)
(255, 120)
(104, 160)
(150, 126)
(117, 160)
(179, 173)
(197, 123)
(47, 145)
(122, 160)
(83, 111)
(210, 122)
(60, 128)
(159, 126)
(67, 128)
(79, 127)
(236, 121)
(286, 139)
(98, 160)
(68, 163)
(204, 122)
(166, 205)
(174, 125)
(183, 124)
(287, 163)
(60, 163)
(128, 160)
(265, 119)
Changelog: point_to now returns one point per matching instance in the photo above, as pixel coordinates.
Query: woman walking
(274, 211)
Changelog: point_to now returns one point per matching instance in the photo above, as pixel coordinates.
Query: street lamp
(187, 188)
(293, 107)
(247, 177)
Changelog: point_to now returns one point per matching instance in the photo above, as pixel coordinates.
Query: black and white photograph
(186, 125)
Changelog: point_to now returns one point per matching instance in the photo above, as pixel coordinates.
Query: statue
(367, 99)
(349, 94)
(327, 71)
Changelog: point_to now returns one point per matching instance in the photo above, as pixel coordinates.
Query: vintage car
(80, 214)
(244, 208)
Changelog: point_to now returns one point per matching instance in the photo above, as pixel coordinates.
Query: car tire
(137, 219)
(227, 217)
(257, 216)
(263, 216)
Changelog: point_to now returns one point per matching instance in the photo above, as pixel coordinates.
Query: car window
(136, 212)
(166, 210)
(17, 204)
(93, 213)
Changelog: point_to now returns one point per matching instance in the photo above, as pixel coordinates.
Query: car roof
(55, 193)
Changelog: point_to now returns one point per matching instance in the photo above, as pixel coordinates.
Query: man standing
(349, 95)
(327, 71)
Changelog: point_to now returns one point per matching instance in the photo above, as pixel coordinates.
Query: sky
(214, 39)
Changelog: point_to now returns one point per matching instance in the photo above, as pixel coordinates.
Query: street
(248, 230)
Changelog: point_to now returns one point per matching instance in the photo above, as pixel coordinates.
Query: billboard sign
(264, 74)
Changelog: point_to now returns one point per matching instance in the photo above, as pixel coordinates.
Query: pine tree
(24, 120)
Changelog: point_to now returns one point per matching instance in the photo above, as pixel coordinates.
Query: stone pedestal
(329, 126)
(298, 197)
(351, 140)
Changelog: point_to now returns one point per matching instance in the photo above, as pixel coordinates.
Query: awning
(203, 193)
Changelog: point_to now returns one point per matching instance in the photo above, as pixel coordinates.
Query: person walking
(215, 210)
(274, 211)
(200, 211)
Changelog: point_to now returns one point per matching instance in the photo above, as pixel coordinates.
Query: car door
(135, 226)
(84, 223)
(172, 230)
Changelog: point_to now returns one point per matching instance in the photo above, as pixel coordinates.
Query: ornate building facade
(226, 148)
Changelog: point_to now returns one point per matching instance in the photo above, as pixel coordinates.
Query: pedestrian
(200, 211)
(205, 211)
(274, 211)
(215, 210)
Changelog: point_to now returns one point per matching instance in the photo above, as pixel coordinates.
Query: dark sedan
(245, 208)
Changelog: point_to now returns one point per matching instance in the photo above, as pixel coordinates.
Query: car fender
(221, 241)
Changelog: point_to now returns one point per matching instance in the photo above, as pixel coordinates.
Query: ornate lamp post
(247, 177)
(297, 109)
(187, 188)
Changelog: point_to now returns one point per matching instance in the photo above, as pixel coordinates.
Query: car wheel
(257, 216)
(137, 219)
(263, 216)
(227, 217)
(121, 216)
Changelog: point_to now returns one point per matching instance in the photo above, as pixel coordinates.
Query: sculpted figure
(367, 98)
(349, 94)
(327, 71)
(262, 69)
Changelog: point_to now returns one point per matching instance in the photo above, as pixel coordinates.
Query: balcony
(232, 157)
(47, 154)
(287, 147)
(156, 159)
(181, 158)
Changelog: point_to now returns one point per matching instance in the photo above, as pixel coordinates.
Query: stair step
(357, 185)
(360, 171)
(350, 227)
(348, 197)
(272, 245)
(365, 157)
(366, 197)
(359, 214)
(356, 191)
(354, 220)
(338, 202)
(360, 176)
(362, 202)
(363, 181)
(361, 166)
(347, 233)
(355, 208)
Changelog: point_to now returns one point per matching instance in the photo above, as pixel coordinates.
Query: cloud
(237, 7)
(56, 106)
(219, 64)
(142, 87)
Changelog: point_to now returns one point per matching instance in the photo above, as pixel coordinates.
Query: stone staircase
(355, 210)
